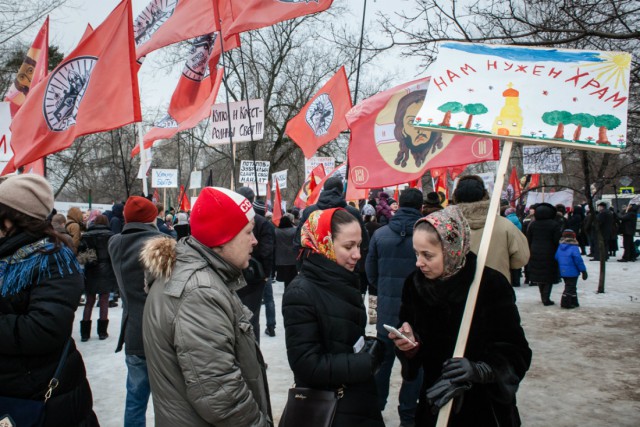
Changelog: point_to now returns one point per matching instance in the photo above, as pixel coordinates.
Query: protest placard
(240, 117)
(195, 180)
(164, 178)
(281, 178)
(310, 164)
(541, 159)
(247, 173)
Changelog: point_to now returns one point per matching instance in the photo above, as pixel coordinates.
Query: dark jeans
(409, 390)
(251, 296)
(570, 294)
(269, 304)
(629, 247)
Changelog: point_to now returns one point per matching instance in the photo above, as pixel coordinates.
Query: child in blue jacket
(571, 265)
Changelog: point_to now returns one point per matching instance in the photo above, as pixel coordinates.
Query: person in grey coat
(390, 261)
(205, 365)
(124, 250)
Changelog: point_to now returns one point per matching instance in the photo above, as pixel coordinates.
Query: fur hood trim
(475, 213)
(158, 256)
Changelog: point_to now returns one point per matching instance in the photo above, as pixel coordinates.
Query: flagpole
(226, 91)
(364, 12)
(253, 147)
(143, 159)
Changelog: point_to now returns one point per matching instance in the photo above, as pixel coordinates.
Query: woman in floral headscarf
(325, 319)
(485, 381)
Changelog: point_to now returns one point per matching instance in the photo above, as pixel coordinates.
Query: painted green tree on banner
(474, 110)
(557, 118)
(581, 120)
(605, 122)
(449, 108)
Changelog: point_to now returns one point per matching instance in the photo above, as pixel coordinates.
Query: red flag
(244, 15)
(323, 117)
(87, 33)
(513, 189)
(416, 183)
(396, 193)
(535, 181)
(94, 89)
(190, 104)
(277, 206)
(33, 69)
(386, 149)
(442, 187)
(156, 196)
(340, 171)
(354, 193)
(183, 200)
(309, 185)
(164, 22)
(456, 171)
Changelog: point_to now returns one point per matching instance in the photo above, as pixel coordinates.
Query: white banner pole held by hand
(465, 324)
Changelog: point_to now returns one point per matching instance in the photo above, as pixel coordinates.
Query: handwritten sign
(541, 159)
(240, 116)
(310, 164)
(281, 178)
(164, 178)
(574, 98)
(248, 174)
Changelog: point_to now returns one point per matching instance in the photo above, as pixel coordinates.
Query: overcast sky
(68, 24)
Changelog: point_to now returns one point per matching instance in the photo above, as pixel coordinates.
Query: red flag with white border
(313, 180)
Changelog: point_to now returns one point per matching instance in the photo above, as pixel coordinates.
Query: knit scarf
(18, 269)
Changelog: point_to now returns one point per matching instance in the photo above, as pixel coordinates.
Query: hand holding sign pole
(592, 87)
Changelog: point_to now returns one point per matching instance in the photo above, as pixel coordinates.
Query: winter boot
(85, 330)
(566, 301)
(545, 293)
(574, 301)
(102, 329)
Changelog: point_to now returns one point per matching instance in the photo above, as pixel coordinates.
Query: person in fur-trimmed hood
(205, 366)
(571, 266)
(509, 249)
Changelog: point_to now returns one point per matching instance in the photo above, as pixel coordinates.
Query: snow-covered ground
(585, 370)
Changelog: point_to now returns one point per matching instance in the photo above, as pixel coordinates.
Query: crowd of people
(192, 285)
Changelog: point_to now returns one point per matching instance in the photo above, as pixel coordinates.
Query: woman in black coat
(98, 275)
(544, 237)
(324, 318)
(497, 356)
(40, 286)
(285, 252)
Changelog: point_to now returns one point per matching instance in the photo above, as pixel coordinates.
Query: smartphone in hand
(398, 334)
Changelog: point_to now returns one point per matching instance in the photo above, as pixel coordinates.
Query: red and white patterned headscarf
(316, 233)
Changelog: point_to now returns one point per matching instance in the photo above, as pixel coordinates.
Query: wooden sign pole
(465, 324)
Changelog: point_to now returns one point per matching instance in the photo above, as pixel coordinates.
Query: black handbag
(16, 412)
(309, 407)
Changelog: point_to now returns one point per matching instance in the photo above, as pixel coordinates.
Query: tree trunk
(602, 136)
(576, 134)
(469, 121)
(559, 131)
(447, 119)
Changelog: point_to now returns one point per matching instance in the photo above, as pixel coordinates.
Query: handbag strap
(53, 384)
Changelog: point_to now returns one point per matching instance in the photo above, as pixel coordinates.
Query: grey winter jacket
(205, 367)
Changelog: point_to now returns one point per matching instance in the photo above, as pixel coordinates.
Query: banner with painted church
(575, 98)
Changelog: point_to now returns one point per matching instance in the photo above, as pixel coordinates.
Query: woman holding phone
(485, 381)
(325, 319)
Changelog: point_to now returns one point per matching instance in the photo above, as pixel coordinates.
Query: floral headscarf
(454, 233)
(316, 233)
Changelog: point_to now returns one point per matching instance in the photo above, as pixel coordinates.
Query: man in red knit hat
(124, 250)
(205, 366)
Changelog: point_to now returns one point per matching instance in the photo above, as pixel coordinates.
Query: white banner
(143, 170)
(489, 179)
(281, 177)
(195, 181)
(310, 164)
(5, 135)
(541, 159)
(240, 116)
(564, 197)
(247, 173)
(63, 207)
(262, 188)
(164, 178)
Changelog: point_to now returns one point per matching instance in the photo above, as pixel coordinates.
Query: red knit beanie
(139, 209)
(219, 215)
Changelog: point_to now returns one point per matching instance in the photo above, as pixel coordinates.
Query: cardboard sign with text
(240, 118)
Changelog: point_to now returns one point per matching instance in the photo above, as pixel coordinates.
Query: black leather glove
(461, 369)
(443, 391)
(585, 276)
(375, 348)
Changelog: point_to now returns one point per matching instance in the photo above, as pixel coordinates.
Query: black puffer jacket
(35, 324)
(434, 310)
(544, 236)
(323, 318)
(98, 275)
(628, 221)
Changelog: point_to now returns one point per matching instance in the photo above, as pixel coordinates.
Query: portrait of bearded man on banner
(413, 140)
